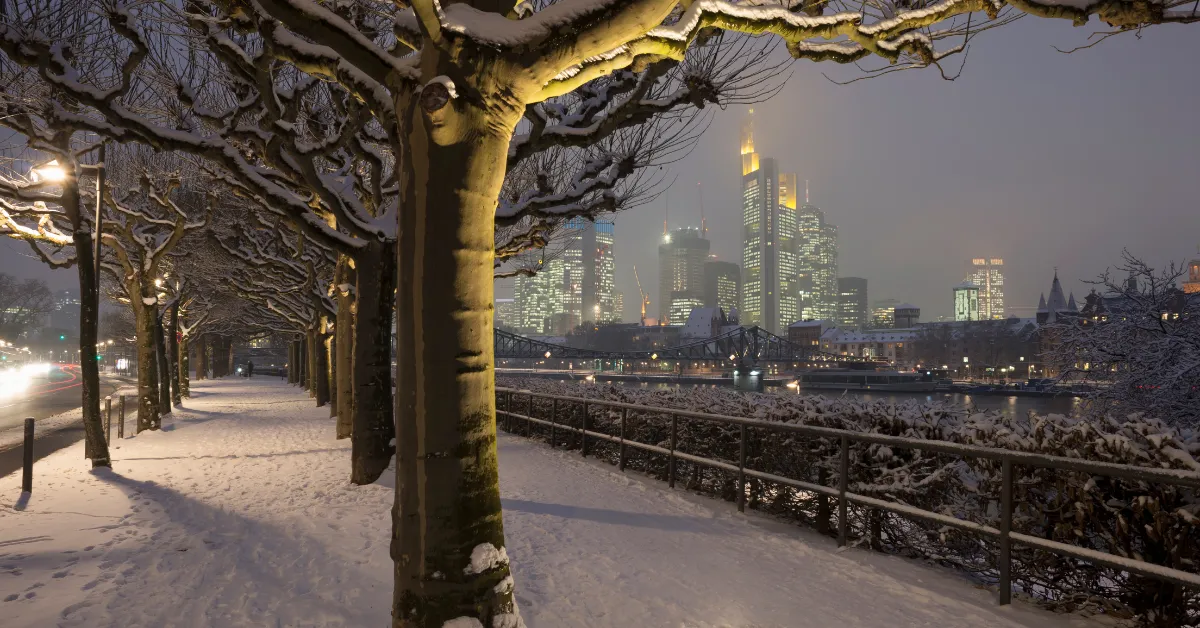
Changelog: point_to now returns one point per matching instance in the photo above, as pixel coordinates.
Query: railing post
(671, 457)
(108, 420)
(822, 502)
(583, 434)
(121, 417)
(843, 488)
(529, 418)
(27, 459)
(1006, 512)
(741, 496)
(508, 412)
(624, 416)
(553, 419)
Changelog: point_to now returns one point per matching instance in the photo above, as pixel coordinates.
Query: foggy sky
(1044, 159)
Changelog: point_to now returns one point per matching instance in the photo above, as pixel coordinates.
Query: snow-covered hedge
(1151, 522)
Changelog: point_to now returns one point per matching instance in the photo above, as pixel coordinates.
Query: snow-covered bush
(1151, 522)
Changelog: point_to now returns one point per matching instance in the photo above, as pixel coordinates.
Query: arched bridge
(746, 345)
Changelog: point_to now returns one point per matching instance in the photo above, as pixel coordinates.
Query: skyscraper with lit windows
(769, 264)
(817, 261)
(987, 273)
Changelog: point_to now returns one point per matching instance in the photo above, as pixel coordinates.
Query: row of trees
(322, 169)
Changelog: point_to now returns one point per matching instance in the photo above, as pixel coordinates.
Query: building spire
(666, 211)
(703, 224)
(806, 191)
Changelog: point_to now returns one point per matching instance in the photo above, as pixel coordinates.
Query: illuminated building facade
(722, 286)
(852, 303)
(541, 299)
(1192, 285)
(883, 313)
(681, 258)
(987, 273)
(769, 262)
(587, 285)
(966, 302)
(817, 260)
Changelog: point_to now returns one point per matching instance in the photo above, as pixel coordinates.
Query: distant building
(706, 322)
(817, 263)
(1192, 285)
(852, 302)
(588, 263)
(541, 299)
(66, 311)
(808, 333)
(618, 307)
(883, 314)
(769, 259)
(987, 273)
(507, 313)
(966, 302)
(906, 316)
(681, 258)
(1056, 307)
(895, 345)
(722, 285)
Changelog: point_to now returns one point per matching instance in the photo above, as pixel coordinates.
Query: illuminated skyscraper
(576, 287)
(987, 274)
(817, 263)
(966, 302)
(1192, 285)
(540, 298)
(769, 264)
(852, 303)
(681, 257)
(722, 285)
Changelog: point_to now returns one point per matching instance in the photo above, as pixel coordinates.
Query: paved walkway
(240, 514)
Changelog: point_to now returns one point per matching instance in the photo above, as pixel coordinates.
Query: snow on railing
(1008, 458)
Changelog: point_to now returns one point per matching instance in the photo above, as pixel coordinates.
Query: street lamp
(51, 172)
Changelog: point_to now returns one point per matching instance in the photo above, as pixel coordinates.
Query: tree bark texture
(145, 317)
(94, 445)
(343, 368)
(202, 357)
(314, 373)
(185, 366)
(164, 371)
(302, 361)
(231, 366)
(373, 429)
(321, 370)
(173, 357)
(330, 378)
(448, 534)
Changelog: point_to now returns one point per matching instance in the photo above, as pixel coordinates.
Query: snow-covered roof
(811, 323)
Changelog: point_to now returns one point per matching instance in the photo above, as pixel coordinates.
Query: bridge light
(653, 356)
(732, 357)
(547, 354)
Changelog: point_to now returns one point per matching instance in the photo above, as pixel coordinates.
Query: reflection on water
(1009, 405)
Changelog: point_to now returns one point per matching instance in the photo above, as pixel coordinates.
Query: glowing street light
(51, 172)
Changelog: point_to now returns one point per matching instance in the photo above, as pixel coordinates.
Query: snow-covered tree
(460, 92)
(1137, 341)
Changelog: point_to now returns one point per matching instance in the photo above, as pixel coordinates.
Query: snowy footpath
(239, 513)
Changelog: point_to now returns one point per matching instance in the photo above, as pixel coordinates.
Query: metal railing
(1007, 458)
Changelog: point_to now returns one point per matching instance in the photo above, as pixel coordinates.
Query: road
(47, 396)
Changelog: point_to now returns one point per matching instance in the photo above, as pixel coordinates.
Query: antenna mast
(703, 224)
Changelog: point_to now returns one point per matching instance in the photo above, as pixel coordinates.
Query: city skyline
(912, 201)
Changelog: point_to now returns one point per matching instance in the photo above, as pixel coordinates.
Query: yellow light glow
(50, 172)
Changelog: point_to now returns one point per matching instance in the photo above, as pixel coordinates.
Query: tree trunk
(144, 317)
(321, 370)
(343, 369)
(293, 371)
(330, 378)
(173, 357)
(302, 362)
(373, 429)
(164, 370)
(202, 357)
(185, 365)
(448, 488)
(314, 374)
(232, 366)
(95, 447)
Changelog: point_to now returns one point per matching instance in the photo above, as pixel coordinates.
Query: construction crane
(645, 297)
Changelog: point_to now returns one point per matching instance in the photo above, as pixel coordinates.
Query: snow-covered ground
(239, 513)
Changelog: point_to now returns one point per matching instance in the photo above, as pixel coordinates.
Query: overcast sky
(1044, 159)
(1040, 158)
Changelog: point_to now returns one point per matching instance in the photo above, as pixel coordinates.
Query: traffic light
(62, 337)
